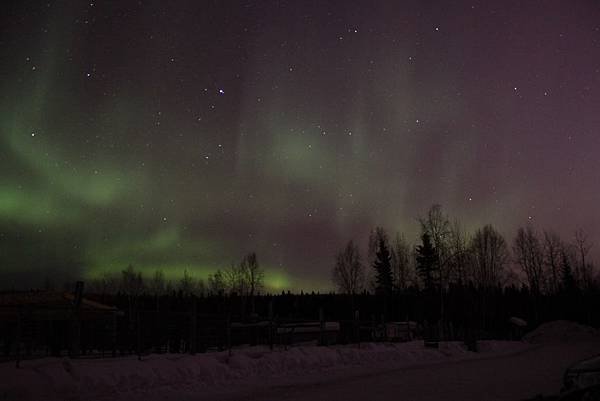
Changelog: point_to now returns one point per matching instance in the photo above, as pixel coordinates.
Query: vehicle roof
(590, 364)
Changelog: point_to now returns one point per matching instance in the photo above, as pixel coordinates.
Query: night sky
(184, 134)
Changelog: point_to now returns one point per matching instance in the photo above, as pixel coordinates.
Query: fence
(178, 324)
(35, 333)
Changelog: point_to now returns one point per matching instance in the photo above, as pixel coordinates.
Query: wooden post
(271, 324)
(78, 294)
(194, 325)
(229, 333)
(357, 327)
(321, 327)
(158, 330)
(113, 334)
(19, 335)
(76, 331)
(139, 334)
(75, 338)
(373, 328)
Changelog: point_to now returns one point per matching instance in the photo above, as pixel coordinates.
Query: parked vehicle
(582, 374)
(581, 381)
(591, 393)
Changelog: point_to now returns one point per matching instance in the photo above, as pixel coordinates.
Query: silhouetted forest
(445, 255)
(454, 285)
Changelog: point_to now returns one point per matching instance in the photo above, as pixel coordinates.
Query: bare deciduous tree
(584, 270)
(253, 274)
(459, 253)
(216, 283)
(437, 226)
(188, 285)
(243, 279)
(234, 280)
(157, 284)
(530, 258)
(402, 263)
(349, 272)
(553, 249)
(489, 256)
(132, 282)
(568, 281)
(106, 284)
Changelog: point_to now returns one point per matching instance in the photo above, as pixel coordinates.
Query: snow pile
(562, 331)
(64, 379)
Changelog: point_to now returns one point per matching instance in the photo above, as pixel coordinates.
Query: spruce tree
(426, 261)
(383, 268)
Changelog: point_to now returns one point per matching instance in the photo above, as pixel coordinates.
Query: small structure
(40, 323)
(324, 332)
(517, 327)
(401, 331)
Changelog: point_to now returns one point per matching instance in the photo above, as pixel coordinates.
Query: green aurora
(151, 134)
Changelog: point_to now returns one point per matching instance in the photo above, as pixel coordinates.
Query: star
(100, 141)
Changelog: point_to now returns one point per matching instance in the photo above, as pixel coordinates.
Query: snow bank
(562, 331)
(65, 379)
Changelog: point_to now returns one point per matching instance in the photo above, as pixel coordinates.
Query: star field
(182, 135)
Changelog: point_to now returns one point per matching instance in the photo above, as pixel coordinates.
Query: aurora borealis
(182, 134)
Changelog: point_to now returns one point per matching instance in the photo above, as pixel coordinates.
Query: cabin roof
(49, 300)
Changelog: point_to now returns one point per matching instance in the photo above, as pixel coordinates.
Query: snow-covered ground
(405, 371)
(512, 377)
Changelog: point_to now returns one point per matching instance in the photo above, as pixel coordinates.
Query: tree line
(447, 255)
(245, 278)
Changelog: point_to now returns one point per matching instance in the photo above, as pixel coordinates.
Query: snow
(524, 375)
(502, 370)
(517, 321)
(309, 327)
(66, 379)
(562, 331)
